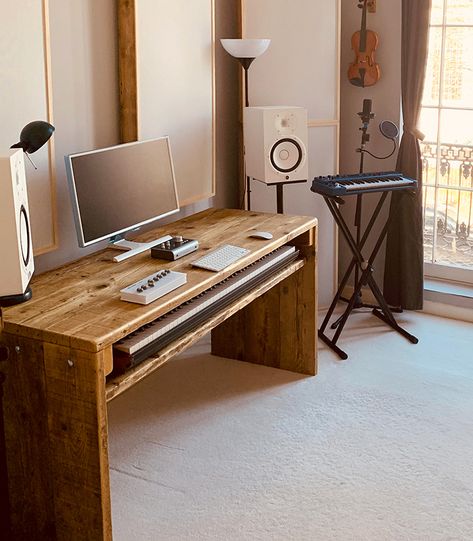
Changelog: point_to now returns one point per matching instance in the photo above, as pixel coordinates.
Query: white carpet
(378, 447)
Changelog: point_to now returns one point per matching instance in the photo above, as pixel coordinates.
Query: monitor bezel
(75, 201)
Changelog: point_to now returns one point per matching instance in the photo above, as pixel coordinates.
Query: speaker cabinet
(276, 143)
(15, 231)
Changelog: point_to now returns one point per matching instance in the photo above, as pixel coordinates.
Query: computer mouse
(264, 235)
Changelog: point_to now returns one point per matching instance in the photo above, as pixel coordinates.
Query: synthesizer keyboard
(151, 338)
(341, 185)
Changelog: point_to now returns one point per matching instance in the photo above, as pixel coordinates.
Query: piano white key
(377, 184)
(165, 324)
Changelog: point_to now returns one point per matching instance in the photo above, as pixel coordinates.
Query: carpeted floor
(378, 447)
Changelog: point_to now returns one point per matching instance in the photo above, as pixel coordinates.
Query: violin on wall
(364, 71)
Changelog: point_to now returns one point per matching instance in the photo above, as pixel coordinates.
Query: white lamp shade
(245, 48)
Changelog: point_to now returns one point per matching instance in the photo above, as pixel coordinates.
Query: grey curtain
(403, 274)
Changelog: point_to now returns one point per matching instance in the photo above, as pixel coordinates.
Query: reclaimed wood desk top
(78, 305)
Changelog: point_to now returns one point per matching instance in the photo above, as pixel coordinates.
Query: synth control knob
(178, 238)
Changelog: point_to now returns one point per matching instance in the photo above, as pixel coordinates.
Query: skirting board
(435, 308)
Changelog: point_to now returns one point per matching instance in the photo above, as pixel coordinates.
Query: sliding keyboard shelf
(117, 385)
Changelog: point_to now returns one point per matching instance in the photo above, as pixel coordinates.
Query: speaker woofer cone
(25, 240)
(286, 155)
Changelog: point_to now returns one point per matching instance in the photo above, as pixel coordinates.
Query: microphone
(366, 115)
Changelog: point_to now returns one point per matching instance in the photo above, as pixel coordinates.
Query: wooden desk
(60, 351)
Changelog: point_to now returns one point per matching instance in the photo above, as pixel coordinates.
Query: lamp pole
(246, 63)
(245, 51)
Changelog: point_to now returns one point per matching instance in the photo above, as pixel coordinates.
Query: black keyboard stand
(363, 276)
(359, 303)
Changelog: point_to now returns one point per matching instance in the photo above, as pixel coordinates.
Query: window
(447, 151)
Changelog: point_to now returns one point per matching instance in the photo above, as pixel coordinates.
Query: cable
(381, 157)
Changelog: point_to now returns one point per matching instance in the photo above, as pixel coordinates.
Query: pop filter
(389, 129)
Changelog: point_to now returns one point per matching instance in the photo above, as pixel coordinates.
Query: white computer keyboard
(222, 257)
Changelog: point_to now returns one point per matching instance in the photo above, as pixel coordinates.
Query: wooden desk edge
(78, 342)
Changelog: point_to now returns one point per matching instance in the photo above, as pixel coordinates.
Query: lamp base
(11, 300)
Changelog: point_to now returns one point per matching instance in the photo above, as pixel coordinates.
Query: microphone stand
(366, 116)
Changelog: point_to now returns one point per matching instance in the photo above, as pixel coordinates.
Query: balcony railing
(448, 204)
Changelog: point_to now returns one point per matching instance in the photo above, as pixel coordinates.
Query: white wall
(300, 68)
(386, 105)
(85, 101)
(24, 98)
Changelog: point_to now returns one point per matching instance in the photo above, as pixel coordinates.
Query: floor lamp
(245, 51)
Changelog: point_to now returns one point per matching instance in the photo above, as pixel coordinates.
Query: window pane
(454, 244)
(429, 163)
(428, 124)
(466, 167)
(429, 203)
(459, 12)
(432, 75)
(447, 151)
(436, 15)
(455, 168)
(458, 68)
(465, 225)
(444, 225)
(456, 127)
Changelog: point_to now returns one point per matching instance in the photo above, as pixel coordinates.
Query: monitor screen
(120, 188)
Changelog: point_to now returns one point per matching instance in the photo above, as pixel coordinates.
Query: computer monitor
(121, 188)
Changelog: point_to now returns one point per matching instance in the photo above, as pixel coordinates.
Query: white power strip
(153, 287)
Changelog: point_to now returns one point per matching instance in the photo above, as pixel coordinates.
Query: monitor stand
(132, 248)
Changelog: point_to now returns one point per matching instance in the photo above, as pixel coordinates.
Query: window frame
(433, 269)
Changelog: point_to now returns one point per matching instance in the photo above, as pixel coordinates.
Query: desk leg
(277, 329)
(56, 442)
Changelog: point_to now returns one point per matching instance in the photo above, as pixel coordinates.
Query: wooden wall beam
(128, 92)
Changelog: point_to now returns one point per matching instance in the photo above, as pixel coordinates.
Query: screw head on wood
(17, 349)
(70, 362)
(3, 353)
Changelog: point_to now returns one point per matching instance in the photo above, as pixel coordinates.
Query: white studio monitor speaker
(15, 232)
(276, 143)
